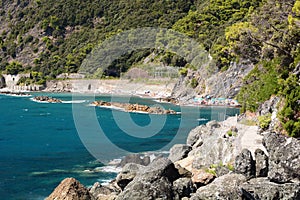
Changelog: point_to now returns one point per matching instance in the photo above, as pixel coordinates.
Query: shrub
(264, 121)
(194, 83)
(183, 71)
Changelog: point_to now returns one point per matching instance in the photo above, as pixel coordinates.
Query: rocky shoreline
(225, 160)
(128, 107)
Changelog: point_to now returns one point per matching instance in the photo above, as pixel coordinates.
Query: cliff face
(225, 84)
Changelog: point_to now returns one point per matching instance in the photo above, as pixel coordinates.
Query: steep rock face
(220, 84)
(228, 83)
(183, 91)
(284, 158)
(70, 189)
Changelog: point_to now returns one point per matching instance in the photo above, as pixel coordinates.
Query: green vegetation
(290, 113)
(13, 68)
(194, 83)
(60, 34)
(211, 171)
(264, 121)
(259, 85)
(231, 133)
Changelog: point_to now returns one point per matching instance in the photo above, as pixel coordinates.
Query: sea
(43, 143)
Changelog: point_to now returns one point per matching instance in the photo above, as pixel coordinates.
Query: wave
(109, 169)
(104, 181)
(74, 101)
(37, 101)
(202, 119)
(17, 95)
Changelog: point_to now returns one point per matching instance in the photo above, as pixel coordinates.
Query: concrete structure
(12, 80)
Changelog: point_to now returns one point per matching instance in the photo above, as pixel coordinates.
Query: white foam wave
(202, 119)
(109, 169)
(17, 95)
(75, 101)
(104, 181)
(32, 99)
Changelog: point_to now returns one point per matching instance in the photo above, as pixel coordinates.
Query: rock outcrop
(128, 107)
(225, 84)
(70, 189)
(59, 86)
(47, 99)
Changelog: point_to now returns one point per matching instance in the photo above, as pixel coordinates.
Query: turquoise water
(40, 145)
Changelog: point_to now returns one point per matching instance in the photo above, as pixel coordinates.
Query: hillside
(254, 45)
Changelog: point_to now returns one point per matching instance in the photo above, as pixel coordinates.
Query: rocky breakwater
(46, 99)
(224, 160)
(127, 107)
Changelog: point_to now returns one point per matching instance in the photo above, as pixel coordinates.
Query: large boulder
(135, 158)
(101, 192)
(224, 187)
(213, 124)
(215, 150)
(152, 182)
(202, 177)
(284, 158)
(129, 171)
(195, 135)
(179, 151)
(244, 164)
(183, 187)
(160, 188)
(262, 188)
(70, 189)
(261, 163)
